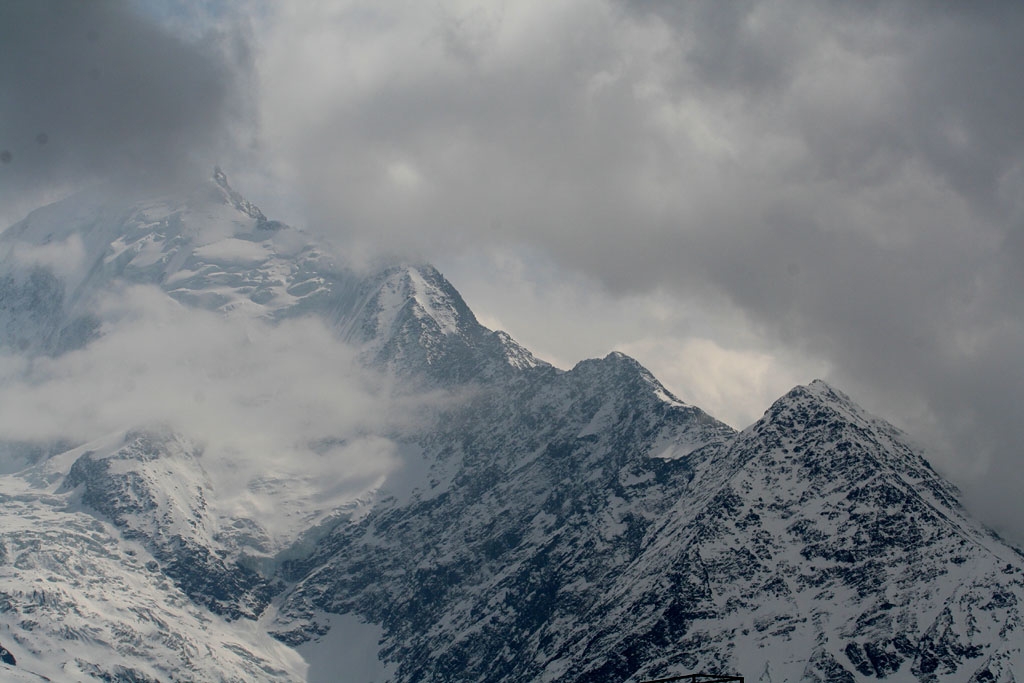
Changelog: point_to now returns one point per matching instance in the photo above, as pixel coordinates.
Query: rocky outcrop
(154, 491)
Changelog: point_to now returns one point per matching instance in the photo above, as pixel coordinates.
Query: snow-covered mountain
(530, 524)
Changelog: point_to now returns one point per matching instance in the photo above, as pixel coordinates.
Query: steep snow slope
(149, 486)
(833, 552)
(212, 250)
(82, 599)
(153, 489)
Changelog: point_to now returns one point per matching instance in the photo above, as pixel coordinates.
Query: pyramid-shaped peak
(810, 405)
(625, 372)
(616, 361)
(820, 414)
(823, 389)
(420, 290)
(620, 357)
(819, 391)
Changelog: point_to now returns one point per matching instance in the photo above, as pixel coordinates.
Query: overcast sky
(742, 195)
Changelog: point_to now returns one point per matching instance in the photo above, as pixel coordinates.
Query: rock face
(815, 543)
(580, 525)
(152, 489)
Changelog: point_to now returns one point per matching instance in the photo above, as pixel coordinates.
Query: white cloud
(65, 258)
(285, 404)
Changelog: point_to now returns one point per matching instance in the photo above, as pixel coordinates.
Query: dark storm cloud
(848, 177)
(94, 89)
(914, 295)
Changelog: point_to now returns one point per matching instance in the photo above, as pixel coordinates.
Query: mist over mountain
(742, 197)
(227, 455)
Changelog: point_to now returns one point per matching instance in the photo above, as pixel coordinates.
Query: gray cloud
(902, 224)
(96, 90)
(845, 178)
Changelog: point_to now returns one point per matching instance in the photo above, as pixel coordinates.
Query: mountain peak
(411, 319)
(824, 391)
(816, 400)
(821, 432)
(234, 198)
(819, 389)
(820, 384)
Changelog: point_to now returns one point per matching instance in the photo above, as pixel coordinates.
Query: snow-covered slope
(814, 545)
(831, 552)
(530, 524)
(82, 599)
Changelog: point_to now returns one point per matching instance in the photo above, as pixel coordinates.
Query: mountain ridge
(540, 524)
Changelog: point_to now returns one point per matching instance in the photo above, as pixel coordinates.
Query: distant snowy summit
(215, 250)
(531, 524)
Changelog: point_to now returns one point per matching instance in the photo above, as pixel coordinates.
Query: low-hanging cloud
(845, 178)
(286, 403)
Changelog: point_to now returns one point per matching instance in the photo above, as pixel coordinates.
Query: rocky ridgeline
(580, 525)
(814, 545)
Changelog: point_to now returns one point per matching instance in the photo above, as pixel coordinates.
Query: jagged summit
(837, 423)
(821, 392)
(211, 248)
(628, 372)
(236, 200)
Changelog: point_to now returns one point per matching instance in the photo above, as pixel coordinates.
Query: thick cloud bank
(288, 403)
(845, 179)
(756, 192)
